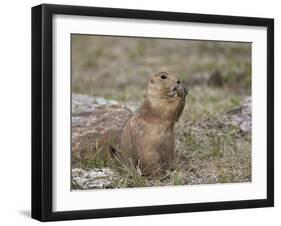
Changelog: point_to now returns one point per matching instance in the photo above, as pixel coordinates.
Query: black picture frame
(42, 106)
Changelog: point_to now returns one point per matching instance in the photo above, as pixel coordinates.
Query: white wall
(15, 105)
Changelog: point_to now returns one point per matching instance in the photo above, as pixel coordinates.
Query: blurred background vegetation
(119, 67)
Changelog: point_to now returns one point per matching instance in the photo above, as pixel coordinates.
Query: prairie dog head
(165, 85)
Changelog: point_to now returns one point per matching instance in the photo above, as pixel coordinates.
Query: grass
(209, 148)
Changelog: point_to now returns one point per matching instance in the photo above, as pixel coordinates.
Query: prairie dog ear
(152, 81)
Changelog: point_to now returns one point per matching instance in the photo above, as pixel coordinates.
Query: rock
(242, 116)
(247, 106)
(93, 178)
(98, 129)
(132, 105)
(84, 103)
(97, 124)
(246, 126)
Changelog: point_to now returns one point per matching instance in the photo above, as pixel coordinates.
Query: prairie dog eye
(178, 82)
(163, 76)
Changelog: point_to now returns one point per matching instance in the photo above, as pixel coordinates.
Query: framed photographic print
(145, 112)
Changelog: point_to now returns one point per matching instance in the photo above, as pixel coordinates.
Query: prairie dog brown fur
(148, 139)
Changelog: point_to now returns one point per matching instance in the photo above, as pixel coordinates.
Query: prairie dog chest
(159, 131)
(155, 131)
